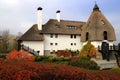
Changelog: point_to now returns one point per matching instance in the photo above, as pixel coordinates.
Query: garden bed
(27, 70)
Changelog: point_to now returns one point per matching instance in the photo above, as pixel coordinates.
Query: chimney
(58, 15)
(39, 18)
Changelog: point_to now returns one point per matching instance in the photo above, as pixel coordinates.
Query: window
(71, 44)
(51, 35)
(102, 22)
(51, 43)
(56, 43)
(56, 35)
(71, 36)
(74, 36)
(87, 36)
(71, 27)
(74, 44)
(105, 35)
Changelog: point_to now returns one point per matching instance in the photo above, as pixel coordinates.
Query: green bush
(62, 60)
(38, 58)
(85, 62)
(116, 69)
(52, 59)
(45, 58)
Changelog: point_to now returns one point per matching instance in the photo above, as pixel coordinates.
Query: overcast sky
(19, 15)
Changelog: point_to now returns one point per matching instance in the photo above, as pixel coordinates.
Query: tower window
(105, 35)
(87, 36)
(102, 22)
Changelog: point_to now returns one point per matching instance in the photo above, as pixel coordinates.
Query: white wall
(63, 42)
(36, 45)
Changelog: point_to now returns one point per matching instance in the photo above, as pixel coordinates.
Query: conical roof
(96, 7)
(97, 27)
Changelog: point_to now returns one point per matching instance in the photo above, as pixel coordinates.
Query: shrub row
(82, 62)
(61, 60)
(50, 71)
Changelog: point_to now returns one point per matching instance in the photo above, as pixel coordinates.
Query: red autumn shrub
(25, 70)
(20, 55)
(61, 53)
(1, 60)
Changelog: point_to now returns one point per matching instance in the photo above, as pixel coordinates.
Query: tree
(9, 41)
(5, 38)
(88, 50)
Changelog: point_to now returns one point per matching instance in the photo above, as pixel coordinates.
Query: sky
(19, 15)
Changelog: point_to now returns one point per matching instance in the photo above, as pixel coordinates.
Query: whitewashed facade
(61, 42)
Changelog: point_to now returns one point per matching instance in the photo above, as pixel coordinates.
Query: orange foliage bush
(88, 50)
(20, 55)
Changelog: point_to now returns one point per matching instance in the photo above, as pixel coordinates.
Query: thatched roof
(33, 34)
(62, 27)
(53, 27)
(96, 25)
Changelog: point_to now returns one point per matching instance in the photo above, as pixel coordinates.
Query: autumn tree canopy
(88, 50)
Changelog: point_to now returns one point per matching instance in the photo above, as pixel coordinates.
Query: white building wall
(63, 42)
(36, 45)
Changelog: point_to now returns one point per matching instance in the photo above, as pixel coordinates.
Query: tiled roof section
(62, 27)
(33, 34)
(96, 25)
